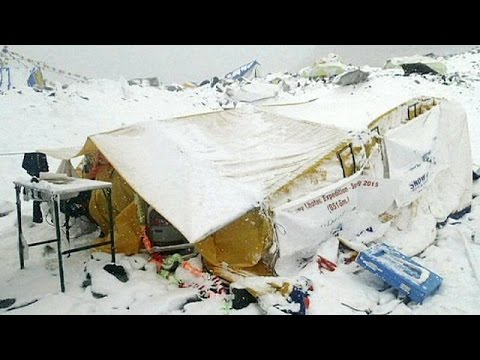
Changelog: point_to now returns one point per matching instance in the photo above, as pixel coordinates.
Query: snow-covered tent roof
(205, 171)
(342, 107)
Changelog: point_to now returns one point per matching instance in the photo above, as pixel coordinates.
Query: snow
(33, 120)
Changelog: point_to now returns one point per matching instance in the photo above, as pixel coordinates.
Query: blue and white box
(399, 271)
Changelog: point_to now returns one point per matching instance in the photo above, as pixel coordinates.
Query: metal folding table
(55, 191)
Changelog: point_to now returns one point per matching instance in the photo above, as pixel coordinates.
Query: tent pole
(19, 225)
(112, 232)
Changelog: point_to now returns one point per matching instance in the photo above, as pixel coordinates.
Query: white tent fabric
(346, 208)
(64, 153)
(429, 161)
(203, 172)
(431, 154)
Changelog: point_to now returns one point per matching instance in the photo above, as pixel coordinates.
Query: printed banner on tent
(413, 156)
(352, 204)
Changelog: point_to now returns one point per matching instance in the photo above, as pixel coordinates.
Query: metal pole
(86, 247)
(19, 221)
(110, 215)
(67, 220)
(59, 240)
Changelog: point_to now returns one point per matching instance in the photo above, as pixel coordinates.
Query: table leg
(112, 232)
(19, 221)
(59, 243)
(67, 223)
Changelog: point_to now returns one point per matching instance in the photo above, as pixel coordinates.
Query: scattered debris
(418, 68)
(241, 298)
(417, 65)
(149, 81)
(118, 271)
(352, 77)
(247, 71)
(6, 303)
(324, 68)
(326, 264)
(174, 88)
(23, 305)
(476, 174)
(98, 296)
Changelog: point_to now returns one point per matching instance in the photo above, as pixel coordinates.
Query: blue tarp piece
(243, 70)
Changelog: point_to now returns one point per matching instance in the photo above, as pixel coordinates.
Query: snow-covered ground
(33, 120)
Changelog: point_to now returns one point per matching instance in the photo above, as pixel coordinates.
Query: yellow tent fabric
(127, 226)
(240, 244)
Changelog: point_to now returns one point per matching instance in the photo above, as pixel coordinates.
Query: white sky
(180, 63)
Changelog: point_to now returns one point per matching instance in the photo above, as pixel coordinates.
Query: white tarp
(205, 171)
(412, 152)
(431, 155)
(349, 207)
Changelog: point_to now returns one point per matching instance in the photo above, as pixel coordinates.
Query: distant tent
(147, 81)
(15, 74)
(326, 67)
(417, 64)
(36, 78)
(247, 71)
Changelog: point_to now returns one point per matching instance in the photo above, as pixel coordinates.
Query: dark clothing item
(242, 298)
(35, 163)
(37, 213)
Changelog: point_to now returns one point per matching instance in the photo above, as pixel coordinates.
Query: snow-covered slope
(33, 120)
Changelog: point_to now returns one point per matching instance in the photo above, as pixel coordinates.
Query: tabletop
(64, 185)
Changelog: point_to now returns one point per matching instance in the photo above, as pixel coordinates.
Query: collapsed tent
(417, 64)
(247, 71)
(258, 192)
(326, 67)
(422, 176)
